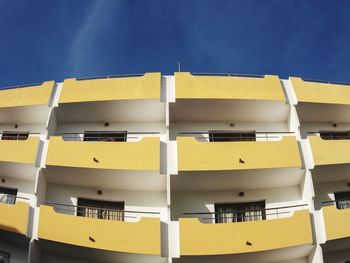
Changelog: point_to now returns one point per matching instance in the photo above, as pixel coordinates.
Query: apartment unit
(183, 168)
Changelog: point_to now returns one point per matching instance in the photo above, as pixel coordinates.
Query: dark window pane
(8, 196)
(4, 257)
(335, 135)
(14, 136)
(231, 136)
(101, 209)
(240, 212)
(105, 137)
(342, 200)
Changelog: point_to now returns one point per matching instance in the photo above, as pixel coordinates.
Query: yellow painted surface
(197, 238)
(329, 151)
(28, 96)
(142, 155)
(141, 237)
(307, 91)
(14, 218)
(194, 155)
(337, 222)
(19, 151)
(189, 86)
(128, 88)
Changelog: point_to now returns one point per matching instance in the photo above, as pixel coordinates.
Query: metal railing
(10, 199)
(21, 86)
(99, 213)
(325, 81)
(266, 214)
(112, 76)
(103, 136)
(331, 135)
(243, 135)
(227, 74)
(17, 135)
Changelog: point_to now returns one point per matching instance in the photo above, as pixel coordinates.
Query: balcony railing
(259, 136)
(104, 136)
(139, 153)
(11, 199)
(19, 147)
(245, 215)
(141, 236)
(228, 86)
(14, 211)
(111, 88)
(199, 152)
(331, 150)
(199, 239)
(337, 220)
(101, 213)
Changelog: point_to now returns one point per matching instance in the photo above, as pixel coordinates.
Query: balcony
(194, 155)
(141, 237)
(190, 86)
(337, 222)
(19, 151)
(329, 151)
(141, 155)
(199, 239)
(37, 94)
(112, 88)
(14, 218)
(321, 92)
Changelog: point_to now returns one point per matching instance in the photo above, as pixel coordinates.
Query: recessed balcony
(146, 86)
(321, 92)
(329, 151)
(190, 86)
(111, 233)
(28, 95)
(196, 155)
(14, 217)
(127, 155)
(19, 150)
(337, 222)
(200, 239)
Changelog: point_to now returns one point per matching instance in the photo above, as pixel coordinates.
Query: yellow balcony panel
(189, 86)
(126, 88)
(21, 151)
(142, 155)
(197, 238)
(14, 218)
(142, 237)
(27, 96)
(337, 222)
(329, 151)
(194, 155)
(316, 92)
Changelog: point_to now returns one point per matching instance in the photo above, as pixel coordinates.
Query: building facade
(184, 168)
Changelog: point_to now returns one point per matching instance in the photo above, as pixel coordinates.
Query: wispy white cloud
(83, 52)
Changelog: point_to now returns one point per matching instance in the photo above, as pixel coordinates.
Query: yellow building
(185, 168)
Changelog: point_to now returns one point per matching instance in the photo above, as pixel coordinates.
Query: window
(4, 257)
(240, 212)
(15, 136)
(231, 136)
(335, 135)
(105, 136)
(101, 209)
(8, 196)
(342, 200)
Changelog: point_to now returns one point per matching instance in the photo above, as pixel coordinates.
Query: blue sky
(56, 39)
